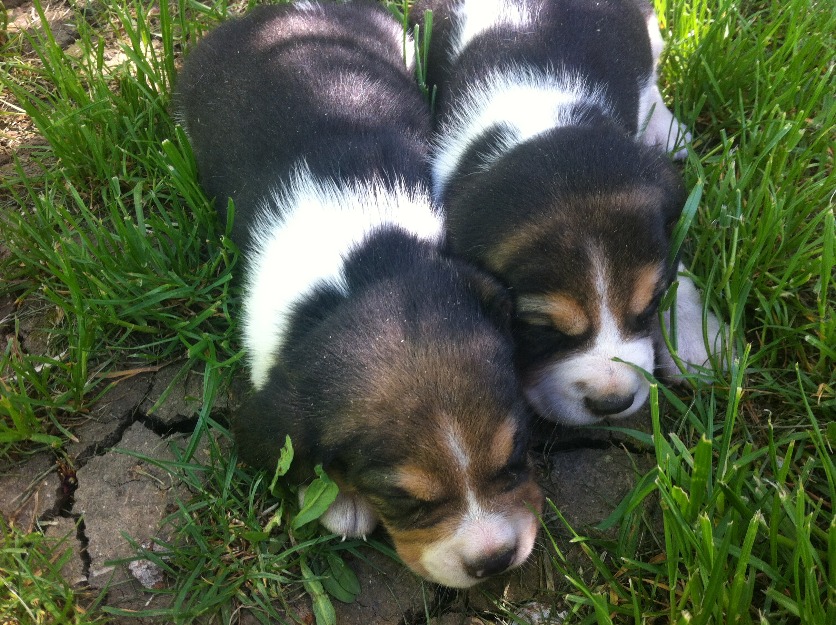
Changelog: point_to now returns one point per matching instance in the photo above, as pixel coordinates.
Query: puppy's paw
(692, 348)
(350, 516)
(661, 128)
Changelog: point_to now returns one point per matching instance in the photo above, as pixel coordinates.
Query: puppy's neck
(300, 243)
(512, 105)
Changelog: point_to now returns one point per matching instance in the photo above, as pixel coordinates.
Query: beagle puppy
(386, 361)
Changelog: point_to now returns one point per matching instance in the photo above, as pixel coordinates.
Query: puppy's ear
(673, 194)
(671, 187)
(671, 202)
(263, 421)
(495, 298)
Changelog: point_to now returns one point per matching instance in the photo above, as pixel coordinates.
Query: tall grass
(32, 590)
(116, 234)
(756, 80)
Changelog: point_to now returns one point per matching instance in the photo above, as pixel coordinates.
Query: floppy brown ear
(496, 299)
(263, 421)
(673, 195)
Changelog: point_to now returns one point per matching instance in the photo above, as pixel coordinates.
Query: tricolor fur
(384, 360)
(551, 165)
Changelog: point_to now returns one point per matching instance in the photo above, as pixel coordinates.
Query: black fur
(593, 39)
(251, 97)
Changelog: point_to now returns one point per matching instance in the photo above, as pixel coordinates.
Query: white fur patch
(657, 44)
(656, 123)
(301, 239)
(525, 101)
(658, 126)
(349, 516)
(454, 444)
(474, 17)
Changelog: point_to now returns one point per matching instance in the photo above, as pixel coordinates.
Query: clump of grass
(29, 393)
(104, 117)
(747, 534)
(31, 587)
(116, 235)
(756, 80)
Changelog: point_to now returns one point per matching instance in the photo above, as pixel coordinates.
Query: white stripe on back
(300, 240)
(524, 101)
(474, 17)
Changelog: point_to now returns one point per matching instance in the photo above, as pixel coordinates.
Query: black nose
(609, 404)
(493, 564)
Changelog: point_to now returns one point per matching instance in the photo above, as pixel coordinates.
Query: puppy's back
(302, 80)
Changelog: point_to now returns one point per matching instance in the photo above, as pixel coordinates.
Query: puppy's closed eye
(404, 509)
(641, 320)
(556, 311)
(645, 315)
(536, 319)
(646, 291)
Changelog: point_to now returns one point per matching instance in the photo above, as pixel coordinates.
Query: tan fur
(412, 544)
(419, 482)
(645, 287)
(509, 248)
(560, 309)
(503, 443)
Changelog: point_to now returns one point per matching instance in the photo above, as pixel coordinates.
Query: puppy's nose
(609, 404)
(493, 564)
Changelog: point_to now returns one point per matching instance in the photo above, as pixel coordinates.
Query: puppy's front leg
(350, 516)
(657, 124)
(690, 341)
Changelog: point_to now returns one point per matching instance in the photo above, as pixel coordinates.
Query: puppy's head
(412, 406)
(584, 310)
(439, 446)
(585, 341)
(585, 252)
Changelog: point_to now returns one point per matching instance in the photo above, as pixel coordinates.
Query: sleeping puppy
(551, 166)
(385, 361)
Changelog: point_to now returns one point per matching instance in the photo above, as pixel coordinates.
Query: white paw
(659, 127)
(692, 348)
(350, 516)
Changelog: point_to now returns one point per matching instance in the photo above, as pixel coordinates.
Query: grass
(32, 590)
(241, 540)
(112, 238)
(115, 236)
